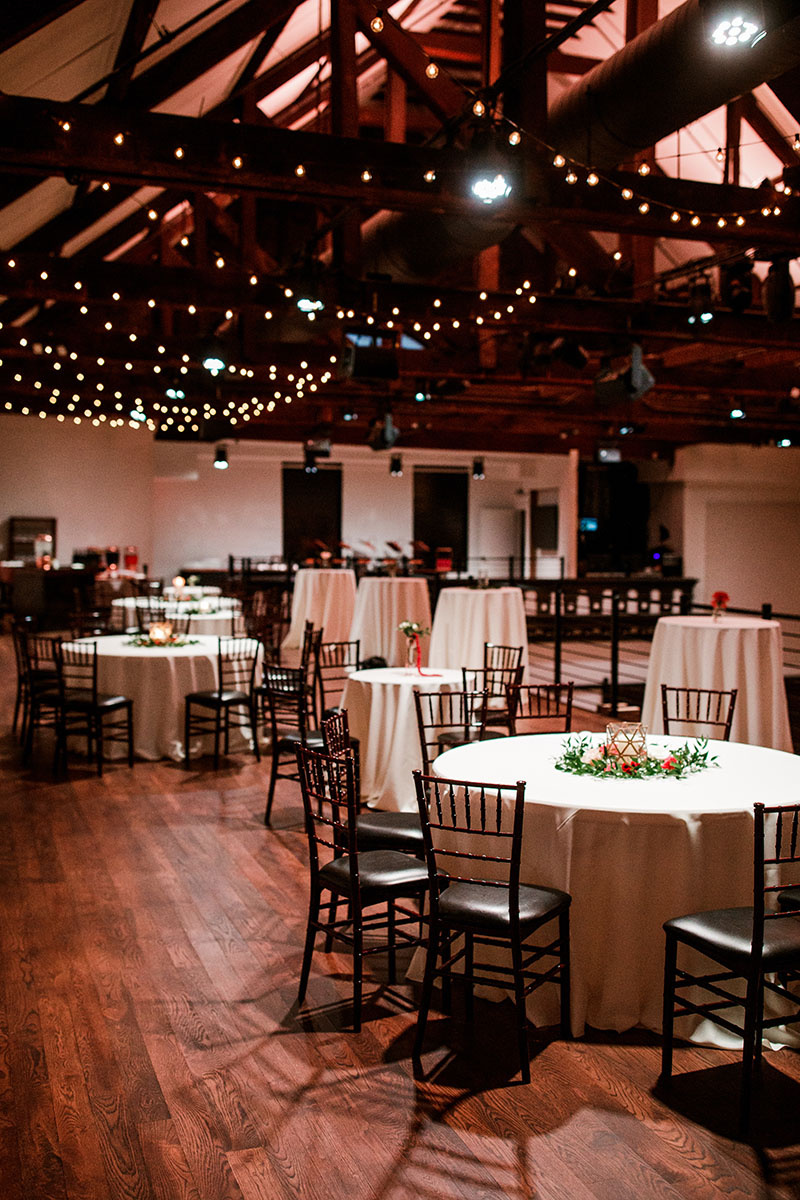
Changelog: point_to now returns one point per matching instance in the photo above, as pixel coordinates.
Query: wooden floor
(150, 1046)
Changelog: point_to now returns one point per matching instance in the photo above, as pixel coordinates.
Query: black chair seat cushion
(291, 739)
(789, 898)
(390, 831)
(725, 934)
(484, 909)
(461, 737)
(381, 872)
(80, 701)
(217, 699)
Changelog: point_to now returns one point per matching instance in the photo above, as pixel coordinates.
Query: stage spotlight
(383, 433)
(477, 469)
(569, 352)
(778, 291)
(733, 24)
(221, 458)
(309, 461)
(490, 187)
(701, 308)
(214, 358)
(396, 466)
(736, 285)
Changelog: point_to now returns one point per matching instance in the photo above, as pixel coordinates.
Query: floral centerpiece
(581, 757)
(719, 602)
(160, 634)
(413, 631)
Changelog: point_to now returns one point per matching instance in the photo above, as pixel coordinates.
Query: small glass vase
(411, 654)
(717, 613)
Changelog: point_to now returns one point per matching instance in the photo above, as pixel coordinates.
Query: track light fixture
(213, 358)
(778, 291)
(477, 469)
(701, 308)
(396, 466)
(221, 458)
(309, 461)
(733, 24)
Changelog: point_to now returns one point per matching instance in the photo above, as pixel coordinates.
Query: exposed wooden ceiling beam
(19, 21)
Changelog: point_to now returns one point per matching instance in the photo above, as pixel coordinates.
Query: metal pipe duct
(662, 80)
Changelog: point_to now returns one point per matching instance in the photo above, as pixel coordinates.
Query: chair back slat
(477, 825)
(335, 663)
(711, 708)
(501, 658)
(459, 714)
(776, 864)
(327, 783)
(540, 708)
(289, 699)
(77, 668)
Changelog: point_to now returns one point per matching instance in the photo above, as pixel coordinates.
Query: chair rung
(687, 1007)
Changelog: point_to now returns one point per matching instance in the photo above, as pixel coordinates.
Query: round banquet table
(326, 596)
(381, 713)
(192, 592)
(215, 619)
(466, 618)
(156, 679)
(731, 652)
(381, 604)
(632, 853)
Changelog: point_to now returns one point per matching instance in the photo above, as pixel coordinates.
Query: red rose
(669, 763)
(720, 600)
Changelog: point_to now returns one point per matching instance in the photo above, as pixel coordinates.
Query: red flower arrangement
(720, 600)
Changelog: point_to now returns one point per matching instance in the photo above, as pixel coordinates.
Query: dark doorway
(614, 511)
(312, 512)
(440, 515)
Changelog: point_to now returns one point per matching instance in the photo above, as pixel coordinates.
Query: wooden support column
(733, 138)
(394, 107)
(640, 251)
(344, 123)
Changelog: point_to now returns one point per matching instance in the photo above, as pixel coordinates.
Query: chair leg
(254, 729)
(130, 734)
(565, 973)
(752, 1032)
(217, 730)
(273, 775)
(427, 990)
(392, 939)
(668, 1017)
(447, 976)
(98, 740)
(333, 908)
(522, 1015)
(308, 949)
(358, 966)
(187, 721)
(469, 960)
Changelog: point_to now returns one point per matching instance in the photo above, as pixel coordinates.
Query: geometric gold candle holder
(629, 739)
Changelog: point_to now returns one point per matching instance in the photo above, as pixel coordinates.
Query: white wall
(741, 523)
(96, 481)
(119, 486)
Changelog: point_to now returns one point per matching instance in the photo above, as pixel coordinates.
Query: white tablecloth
(217, 622)
(465, 618)
(381, 604)
(156, 679)
(192, 592)
(740, 652)
(632, 853)
(325, 596)
(382, 715)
